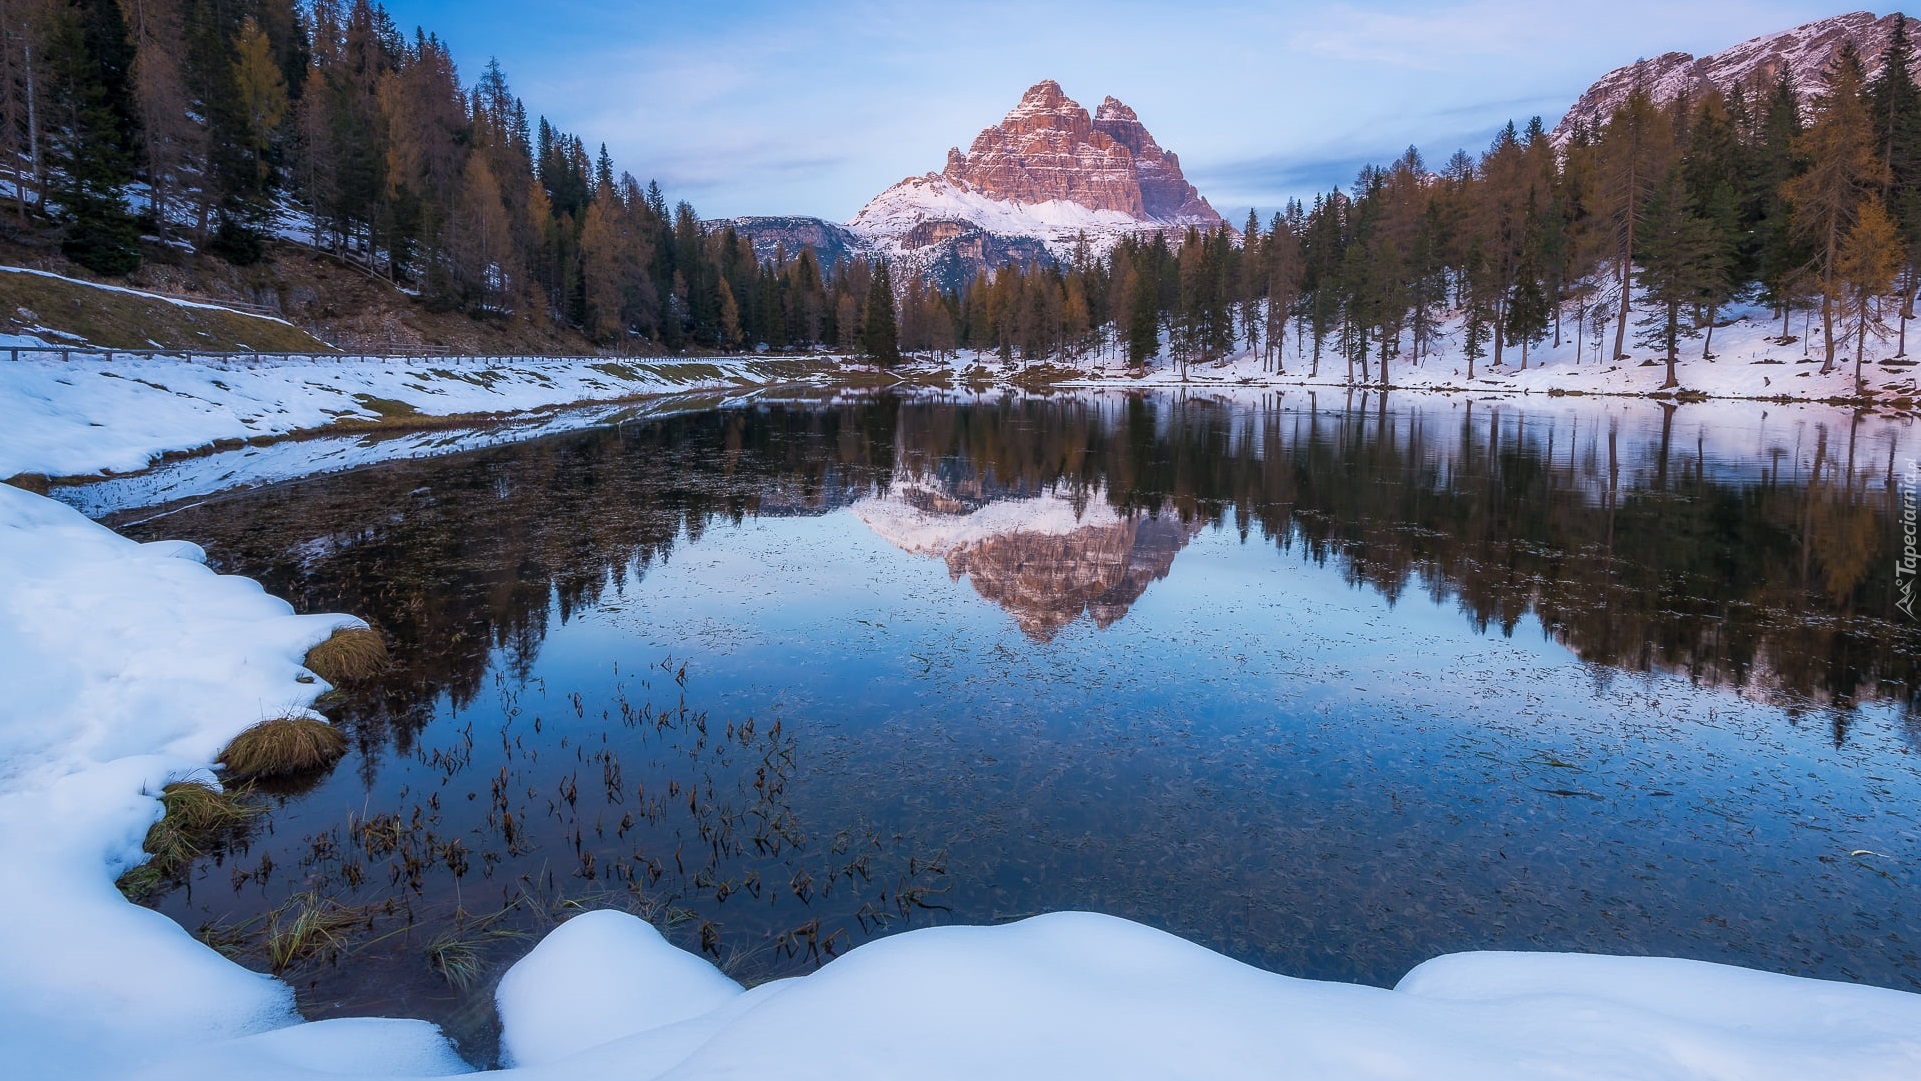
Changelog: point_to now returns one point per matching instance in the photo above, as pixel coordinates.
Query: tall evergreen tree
(1680, 260)
(879, 339)
(92, 141)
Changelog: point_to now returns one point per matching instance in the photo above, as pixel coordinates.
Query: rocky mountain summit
(1050, 171)
(1027, 188)
(1049, 149)
(1804, 52)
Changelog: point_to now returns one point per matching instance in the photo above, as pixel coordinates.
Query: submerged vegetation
(283, 747)
(308, 926)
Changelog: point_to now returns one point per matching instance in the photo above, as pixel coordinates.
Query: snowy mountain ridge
(1805, 52)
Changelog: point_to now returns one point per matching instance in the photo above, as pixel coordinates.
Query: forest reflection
(1640, 538)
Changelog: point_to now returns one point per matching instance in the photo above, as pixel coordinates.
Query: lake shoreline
(194, 658)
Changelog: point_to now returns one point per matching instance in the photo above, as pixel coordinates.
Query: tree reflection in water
(810, 780)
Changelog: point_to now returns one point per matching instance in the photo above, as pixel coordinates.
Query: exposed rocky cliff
(1047, 175)
(1805, 52)
(783, 235)
(1026, 189)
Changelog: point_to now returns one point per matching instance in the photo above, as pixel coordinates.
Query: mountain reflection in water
(1330, 689)
(1045, 559)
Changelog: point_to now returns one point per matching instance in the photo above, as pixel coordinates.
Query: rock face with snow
(1034, 184)
(1805, 52)
(777, 236)
(1026, 189)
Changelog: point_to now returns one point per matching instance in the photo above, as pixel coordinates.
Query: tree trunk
(1708, 344)
(1580, 330)
(1827, 331)
(1500, 311)
(1674, 343)
(1907, 313)
(1621, 321)
(1860, 343)
(33, 131)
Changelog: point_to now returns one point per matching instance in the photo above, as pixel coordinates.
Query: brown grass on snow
(283, 747)
(352, 653)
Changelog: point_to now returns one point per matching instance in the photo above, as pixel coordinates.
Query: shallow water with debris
(1330, 685)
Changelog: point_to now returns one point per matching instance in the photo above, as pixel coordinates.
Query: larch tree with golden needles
(1871, 258)
(1843, 171)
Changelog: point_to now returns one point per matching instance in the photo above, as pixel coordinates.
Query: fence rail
(68, 353)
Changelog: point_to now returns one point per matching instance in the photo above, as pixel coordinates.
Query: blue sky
(807, 107)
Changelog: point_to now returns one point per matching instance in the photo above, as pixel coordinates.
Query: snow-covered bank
(126, 666)
(1076, 995)
(129, 665)
(1747, 361)
(256, 464)
(88, 414)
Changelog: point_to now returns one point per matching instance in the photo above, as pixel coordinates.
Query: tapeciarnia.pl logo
(1908, 562)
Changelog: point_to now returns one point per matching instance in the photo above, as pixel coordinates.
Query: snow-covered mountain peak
(1043, 177)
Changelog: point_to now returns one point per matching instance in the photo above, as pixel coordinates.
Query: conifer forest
(226, 124)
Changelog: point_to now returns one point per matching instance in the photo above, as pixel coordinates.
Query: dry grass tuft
(352, 653)
(31, 482)
(283, 747)
(307, 926)
(198, 807)
(459, 953)
(197, 814)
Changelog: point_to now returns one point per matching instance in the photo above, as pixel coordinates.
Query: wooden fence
(68, 353)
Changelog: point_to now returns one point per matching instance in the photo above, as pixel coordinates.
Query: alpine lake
(1331, 683)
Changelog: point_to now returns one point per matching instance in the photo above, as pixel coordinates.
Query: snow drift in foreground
(64, 418)
(129, 665)
(1083, 995)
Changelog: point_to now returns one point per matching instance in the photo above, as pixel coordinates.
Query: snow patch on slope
(65, 418)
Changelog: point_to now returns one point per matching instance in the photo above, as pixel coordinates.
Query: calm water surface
(1330, 686)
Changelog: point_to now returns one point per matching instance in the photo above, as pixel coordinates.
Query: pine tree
(1896, 109)
(92, 145)
(1143, 310)
(1781, 253)
(878, 337)
(1680, 260)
